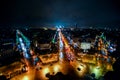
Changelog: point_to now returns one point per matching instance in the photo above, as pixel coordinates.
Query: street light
(56, 68)
(25, 78)
(45, 71)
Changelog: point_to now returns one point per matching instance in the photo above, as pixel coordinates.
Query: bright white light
(58, 29)
(45, 71)
(61, 55)
(20, 39)
(22, 45)
(61, 44)
(56, 68)
(25, 49)
(25, 78)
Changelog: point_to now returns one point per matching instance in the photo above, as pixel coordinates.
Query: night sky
(54, 12)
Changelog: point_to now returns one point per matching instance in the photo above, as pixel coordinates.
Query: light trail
(60, 45)
(26, 40)
(70, 41)
(25, 54)
(69, 52)
(23, 45)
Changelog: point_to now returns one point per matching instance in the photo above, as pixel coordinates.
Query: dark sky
(37, 12)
